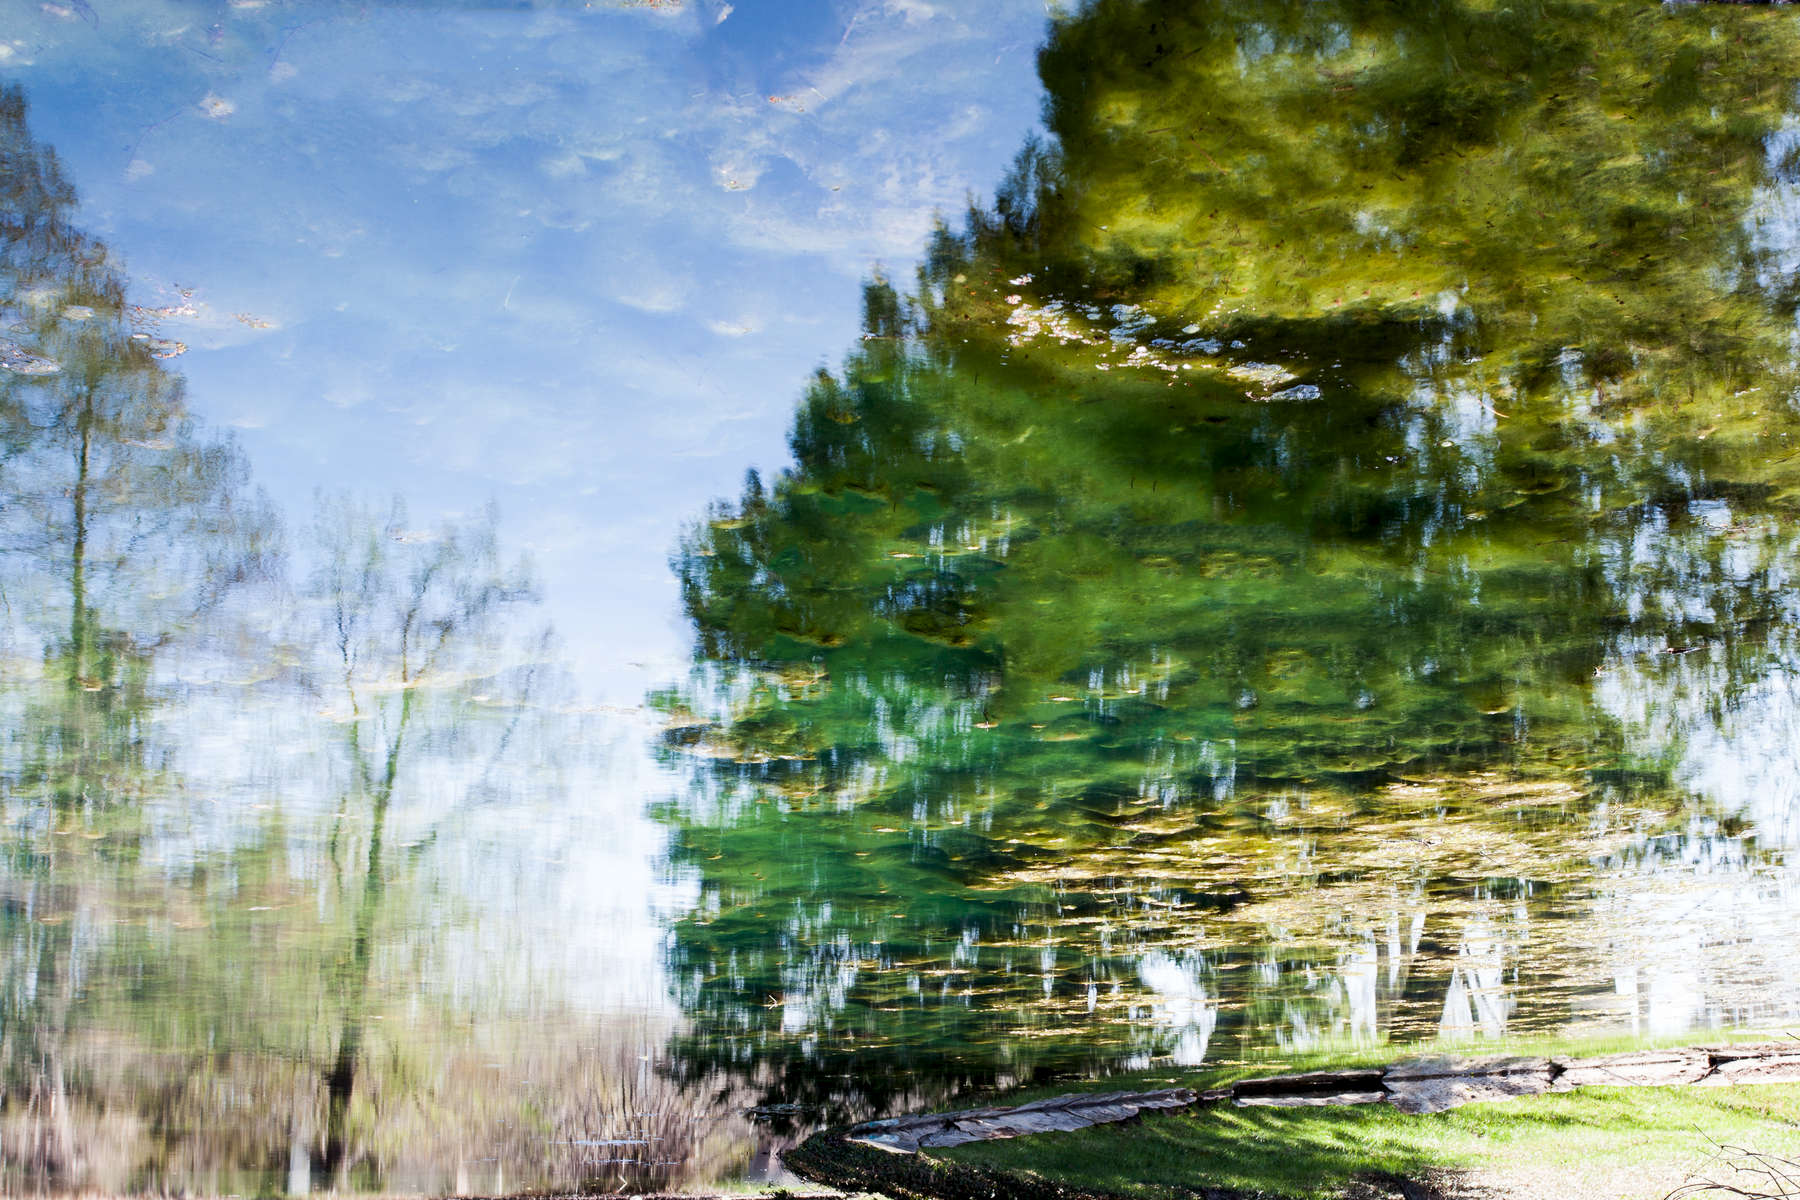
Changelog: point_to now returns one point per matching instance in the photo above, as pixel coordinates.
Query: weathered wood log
(1310, 1081)
(1642, 1068)
(1427, 1085)
(1765, 1062)
(1312, 1089)
(1052, 1114)
(1311, 1100)
(1420, 1085)
(953, 1136)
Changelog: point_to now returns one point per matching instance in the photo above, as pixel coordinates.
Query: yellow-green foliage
(1584, 166)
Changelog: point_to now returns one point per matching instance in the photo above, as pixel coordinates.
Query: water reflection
(254, 810)
(1280, 577)
(1309, 565)
(124, 528)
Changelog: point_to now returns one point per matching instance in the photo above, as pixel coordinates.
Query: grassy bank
(1599, 1142)
(1617, 1134)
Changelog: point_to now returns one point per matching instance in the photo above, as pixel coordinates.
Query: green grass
(1314, 1153)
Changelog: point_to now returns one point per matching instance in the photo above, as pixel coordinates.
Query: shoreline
(921, 1156)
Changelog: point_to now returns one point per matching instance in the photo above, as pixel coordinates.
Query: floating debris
(764, 1112)
(1130, 320)
(1051, 321)
(143, 313)
(20, 361)
(1267, 374)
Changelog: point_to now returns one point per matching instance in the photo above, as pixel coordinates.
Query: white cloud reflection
(500, 243)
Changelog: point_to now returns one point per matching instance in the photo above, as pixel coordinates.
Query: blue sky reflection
(579, 261)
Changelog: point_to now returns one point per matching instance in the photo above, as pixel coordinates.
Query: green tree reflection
(1192, 597)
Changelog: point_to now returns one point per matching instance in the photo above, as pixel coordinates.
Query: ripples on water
(1309, 565)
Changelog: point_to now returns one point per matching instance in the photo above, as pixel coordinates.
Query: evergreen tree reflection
(1183, 618)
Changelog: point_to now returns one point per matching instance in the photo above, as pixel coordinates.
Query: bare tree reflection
(413, 622)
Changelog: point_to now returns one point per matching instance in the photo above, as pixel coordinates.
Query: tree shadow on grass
(1373, 1150)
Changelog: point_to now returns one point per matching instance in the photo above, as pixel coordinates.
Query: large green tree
(1244, 507)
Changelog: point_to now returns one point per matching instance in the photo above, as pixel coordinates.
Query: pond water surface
(571, 607)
